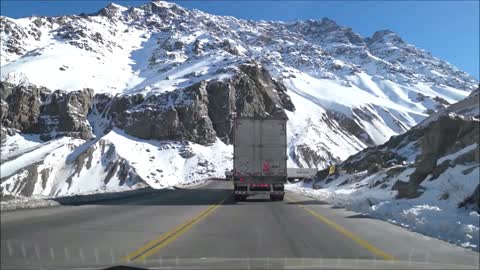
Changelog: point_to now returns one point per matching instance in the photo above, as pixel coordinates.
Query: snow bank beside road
(20, 202)
(26, 203)
(435, 213)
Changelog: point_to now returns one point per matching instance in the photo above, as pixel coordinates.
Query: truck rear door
(260, 147)
(273, 147)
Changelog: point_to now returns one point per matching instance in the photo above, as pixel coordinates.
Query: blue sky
(448, 29)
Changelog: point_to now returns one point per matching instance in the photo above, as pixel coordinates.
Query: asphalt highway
(204, 227)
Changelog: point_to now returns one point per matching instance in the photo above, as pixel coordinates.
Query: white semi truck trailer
(259, 157)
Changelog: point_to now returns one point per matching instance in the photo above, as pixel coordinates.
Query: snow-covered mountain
(151, 89)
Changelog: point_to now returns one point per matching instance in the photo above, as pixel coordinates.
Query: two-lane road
(177, 227)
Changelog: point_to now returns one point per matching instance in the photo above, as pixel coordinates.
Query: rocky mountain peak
(327, 33)
(165, 4)
(329, 24)
(164, 9)
(323, 26)
(111, 10)
(385, 35)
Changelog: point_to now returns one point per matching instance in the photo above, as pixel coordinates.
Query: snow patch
(434, 213)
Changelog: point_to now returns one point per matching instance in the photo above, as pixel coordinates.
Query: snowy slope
(426, 180)
(349, 91)
(113, 162)
(467, 107)
(430, 214)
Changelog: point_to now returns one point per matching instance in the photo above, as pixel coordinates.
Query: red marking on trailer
(266, 166)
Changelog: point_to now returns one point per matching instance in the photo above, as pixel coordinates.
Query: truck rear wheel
(239, 198)
(275, 197)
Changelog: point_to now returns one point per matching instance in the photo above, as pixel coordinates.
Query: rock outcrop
(251, 93)
(198, 113)
(32, 109)
(384, 155)
(65, 114)
(178, 115)
(21, 106)
(445, 136)
(472, 200)
(441, 134)
(203, 111)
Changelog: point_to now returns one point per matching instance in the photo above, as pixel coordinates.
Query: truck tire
(239, 198)
(275, 197)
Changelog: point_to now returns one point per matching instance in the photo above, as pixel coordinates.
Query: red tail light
(241, 179)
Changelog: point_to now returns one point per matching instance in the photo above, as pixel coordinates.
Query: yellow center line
(155, 245)
(347, 233)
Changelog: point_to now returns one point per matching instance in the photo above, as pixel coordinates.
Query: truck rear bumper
(257, 192)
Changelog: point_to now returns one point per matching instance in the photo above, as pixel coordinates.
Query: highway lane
(173, 225)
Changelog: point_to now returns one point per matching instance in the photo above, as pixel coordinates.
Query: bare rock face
(32, 109)
(65, 114)
(473, 200)
(177, 115)
(407, 190)
(444, 136)
(199, 113)
(381, 156)
(21, 106)
(109, 11)
(256, 95)
(221, 97)
(203, 111)
(251, 93)
(228, 47)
